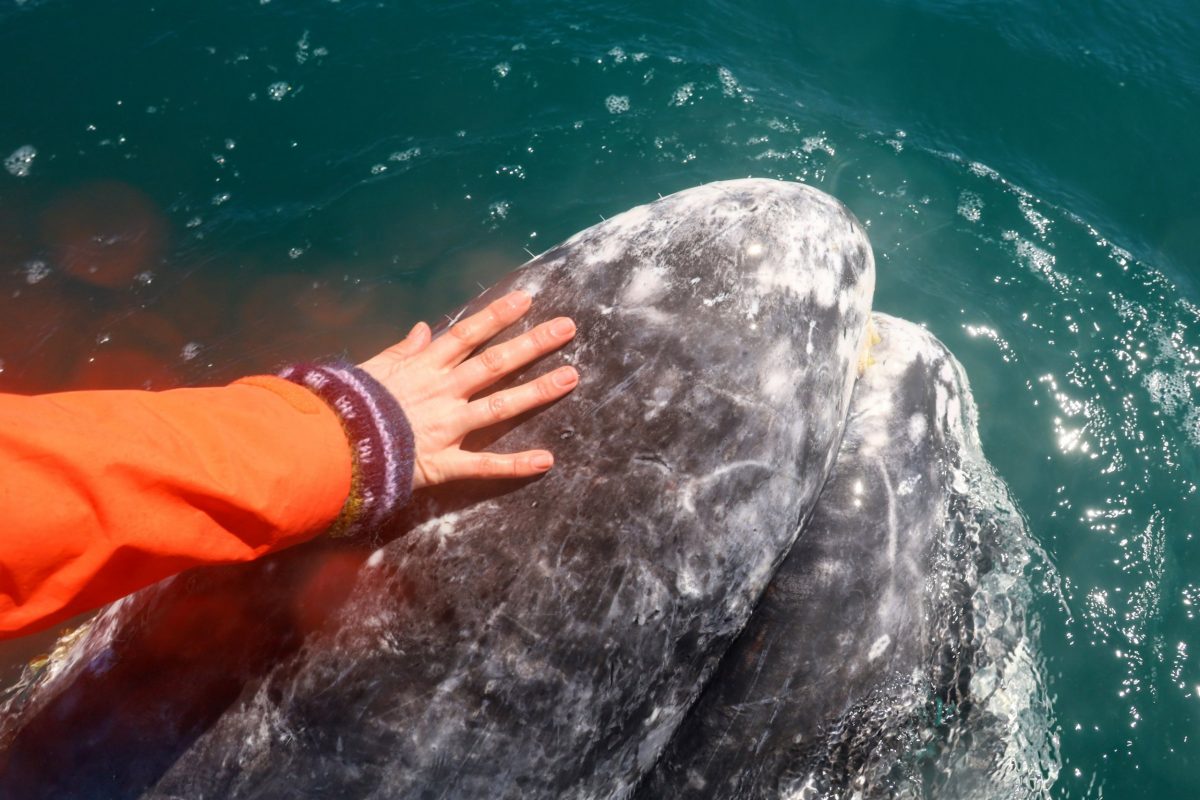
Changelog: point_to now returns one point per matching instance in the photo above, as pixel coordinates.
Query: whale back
(536, 639)
(860, 650)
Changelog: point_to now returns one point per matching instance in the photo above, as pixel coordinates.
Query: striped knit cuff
(381, 442)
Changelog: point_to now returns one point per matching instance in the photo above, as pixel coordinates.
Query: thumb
(417, 340)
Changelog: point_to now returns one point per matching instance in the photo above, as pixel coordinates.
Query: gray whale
(541, 640)
(862, 645)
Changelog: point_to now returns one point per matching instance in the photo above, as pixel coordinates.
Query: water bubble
(19, 163)
(411, 153)
(683, 94)
(1171, 391)
(35, 271)
(221, 198)
(1038, 220)
(279, 90)
(302, 47)
(617, 103)
(1040, 261)
(983, 170)
(970, 206)
(730, 86)
(190, 351)
(378, 169)
(499, 210)
(618, 55)
(502, 69)
(811, 144)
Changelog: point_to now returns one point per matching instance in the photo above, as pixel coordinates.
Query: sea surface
(195, 191)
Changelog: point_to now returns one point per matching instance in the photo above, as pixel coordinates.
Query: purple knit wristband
(381, 441)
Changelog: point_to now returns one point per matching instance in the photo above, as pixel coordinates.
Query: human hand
(434, 381)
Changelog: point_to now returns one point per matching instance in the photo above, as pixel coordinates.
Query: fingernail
(519, 299)
(566, 376)
(563, 326)
(543, 461)
(414, 330)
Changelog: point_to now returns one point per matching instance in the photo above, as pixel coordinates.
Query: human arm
(102, 493)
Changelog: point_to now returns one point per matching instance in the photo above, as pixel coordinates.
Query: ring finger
(513, 402)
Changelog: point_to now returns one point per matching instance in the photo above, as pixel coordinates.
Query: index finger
(464, 336)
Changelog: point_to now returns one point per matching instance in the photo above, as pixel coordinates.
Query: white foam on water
(405, 155)
(813, 144)
(35, 271)
(970, 206)
(20, 162)
(617, 103)
(683, 94)
(730, 87)
(499, 210)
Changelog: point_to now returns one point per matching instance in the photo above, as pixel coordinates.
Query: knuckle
(430, 473)
(462, 331)
(546, 390)
(496, 406)
(496, 312)
(543, 339)
(493, 359)
(490, 466)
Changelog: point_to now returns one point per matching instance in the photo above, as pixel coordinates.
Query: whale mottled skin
(540, 640)
(860, 647)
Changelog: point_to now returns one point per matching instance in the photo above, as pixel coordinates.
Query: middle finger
(465, 335)
(512, 402)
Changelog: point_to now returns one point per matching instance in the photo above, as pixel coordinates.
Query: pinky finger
(465, 466)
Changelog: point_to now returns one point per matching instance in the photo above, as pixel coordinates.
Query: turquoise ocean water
(195, 191)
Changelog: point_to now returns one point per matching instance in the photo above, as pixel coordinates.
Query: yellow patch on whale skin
(65, 641)
(872, 338)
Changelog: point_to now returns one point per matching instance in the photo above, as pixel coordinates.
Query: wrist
(379, 437)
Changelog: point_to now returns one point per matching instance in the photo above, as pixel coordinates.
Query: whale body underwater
(750, 574)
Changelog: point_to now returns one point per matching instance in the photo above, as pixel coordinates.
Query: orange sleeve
(102, 493)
